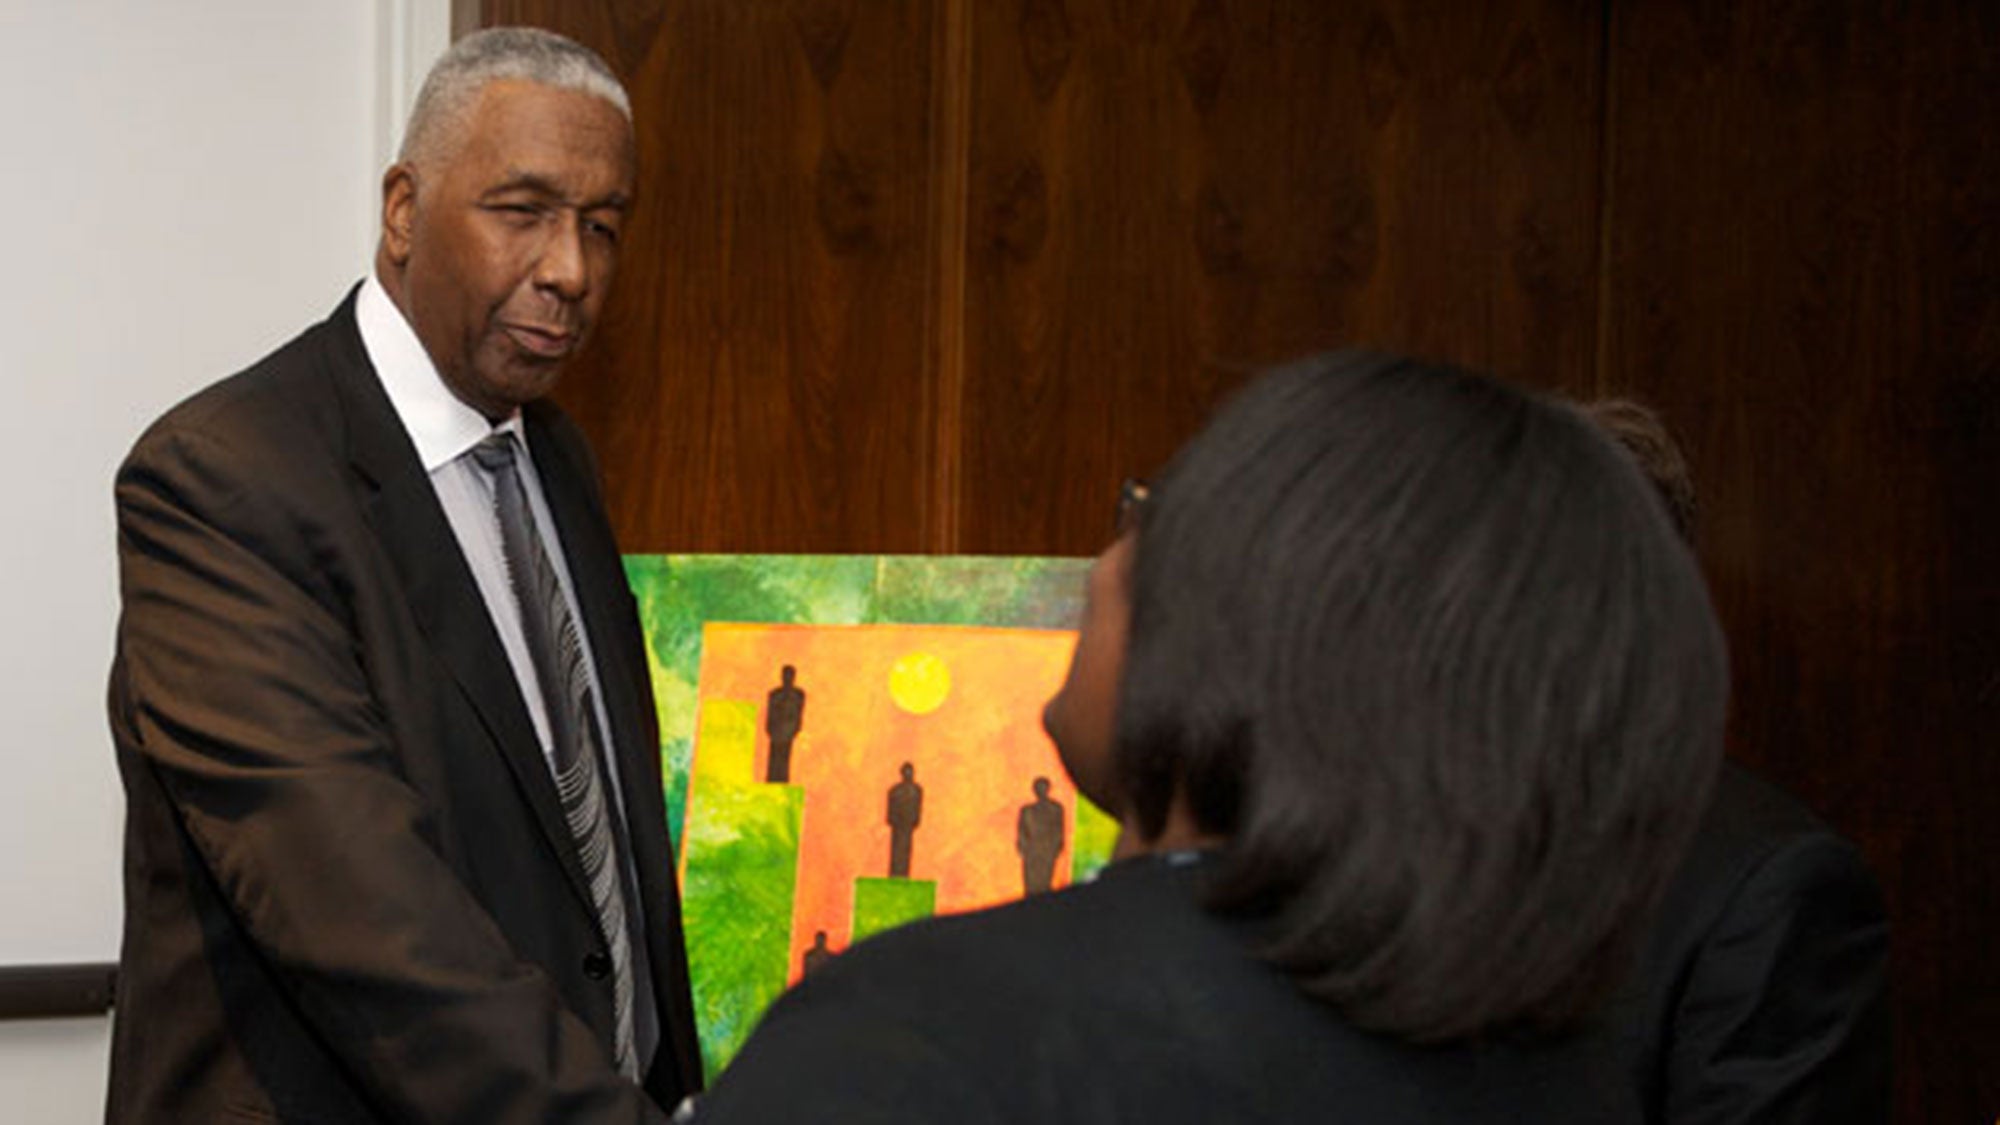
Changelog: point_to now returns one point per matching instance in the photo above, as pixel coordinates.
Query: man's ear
(399, 211)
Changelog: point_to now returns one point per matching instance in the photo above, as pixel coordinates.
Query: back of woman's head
(1423, 647)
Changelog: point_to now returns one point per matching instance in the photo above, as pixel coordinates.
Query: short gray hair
(527, 54)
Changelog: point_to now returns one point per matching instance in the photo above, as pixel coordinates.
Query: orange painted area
(976, 756)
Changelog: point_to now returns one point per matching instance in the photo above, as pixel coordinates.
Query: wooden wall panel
(934, 274)
(1803, 275)
(1165, 196)
(775, 275)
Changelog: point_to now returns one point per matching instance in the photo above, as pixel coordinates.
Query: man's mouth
(544, 342)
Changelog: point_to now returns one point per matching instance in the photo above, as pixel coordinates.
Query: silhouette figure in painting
(784, 714)
(1038, 836)
(906, 811)
(817, 955)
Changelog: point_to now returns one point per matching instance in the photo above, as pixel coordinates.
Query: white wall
(184, 186)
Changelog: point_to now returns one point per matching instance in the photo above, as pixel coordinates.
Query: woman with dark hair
(1406, 697)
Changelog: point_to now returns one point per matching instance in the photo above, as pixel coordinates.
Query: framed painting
(851, 743)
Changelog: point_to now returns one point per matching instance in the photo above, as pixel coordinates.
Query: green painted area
(743, 844)
(676, 749)
(1096, 835)
(882, 904)
(676, 754)
(1024, 593)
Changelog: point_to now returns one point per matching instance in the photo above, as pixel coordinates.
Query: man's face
(500, 252)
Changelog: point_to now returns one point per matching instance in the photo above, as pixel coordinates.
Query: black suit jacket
(349, 892)
(1118, 1001)
(1761, 992)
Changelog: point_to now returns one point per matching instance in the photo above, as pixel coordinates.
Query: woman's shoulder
(1078, 931)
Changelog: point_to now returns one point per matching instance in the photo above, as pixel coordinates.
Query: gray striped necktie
(557, 651)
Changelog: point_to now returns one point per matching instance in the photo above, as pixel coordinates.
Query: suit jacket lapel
(411, 526)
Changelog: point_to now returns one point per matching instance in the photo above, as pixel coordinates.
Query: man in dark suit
(1760, 995)
(395, 843)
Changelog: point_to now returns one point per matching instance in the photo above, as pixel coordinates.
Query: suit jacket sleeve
(240, 687)
(1783, 1015)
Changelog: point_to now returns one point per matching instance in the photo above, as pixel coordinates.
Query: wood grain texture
(1803, 276)
(933, 275)
(775, 276)
(1167, 196)
(951, 123)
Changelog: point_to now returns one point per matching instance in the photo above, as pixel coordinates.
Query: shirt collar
(440, 426)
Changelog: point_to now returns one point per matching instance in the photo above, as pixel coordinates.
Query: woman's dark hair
(1424, 648)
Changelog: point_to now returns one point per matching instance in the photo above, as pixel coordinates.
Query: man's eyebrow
(543, 186)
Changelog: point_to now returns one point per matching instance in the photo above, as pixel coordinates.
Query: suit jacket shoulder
(286, 407)
(1761, 996)
(274, 455)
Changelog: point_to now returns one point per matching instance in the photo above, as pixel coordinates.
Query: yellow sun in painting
(918, 682)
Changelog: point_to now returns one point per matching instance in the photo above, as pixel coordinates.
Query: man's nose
(562, 268)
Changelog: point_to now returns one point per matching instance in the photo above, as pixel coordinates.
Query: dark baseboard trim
(30, 992)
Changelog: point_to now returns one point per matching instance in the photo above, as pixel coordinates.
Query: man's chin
(524, 380)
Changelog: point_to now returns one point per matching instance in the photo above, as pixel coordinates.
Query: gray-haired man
(395, 846)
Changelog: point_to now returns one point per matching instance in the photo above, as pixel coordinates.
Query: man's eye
(605, 231)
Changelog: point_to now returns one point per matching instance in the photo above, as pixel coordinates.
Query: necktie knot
(495, 453)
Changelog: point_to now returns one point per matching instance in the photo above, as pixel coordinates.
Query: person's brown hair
(1640, 431)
